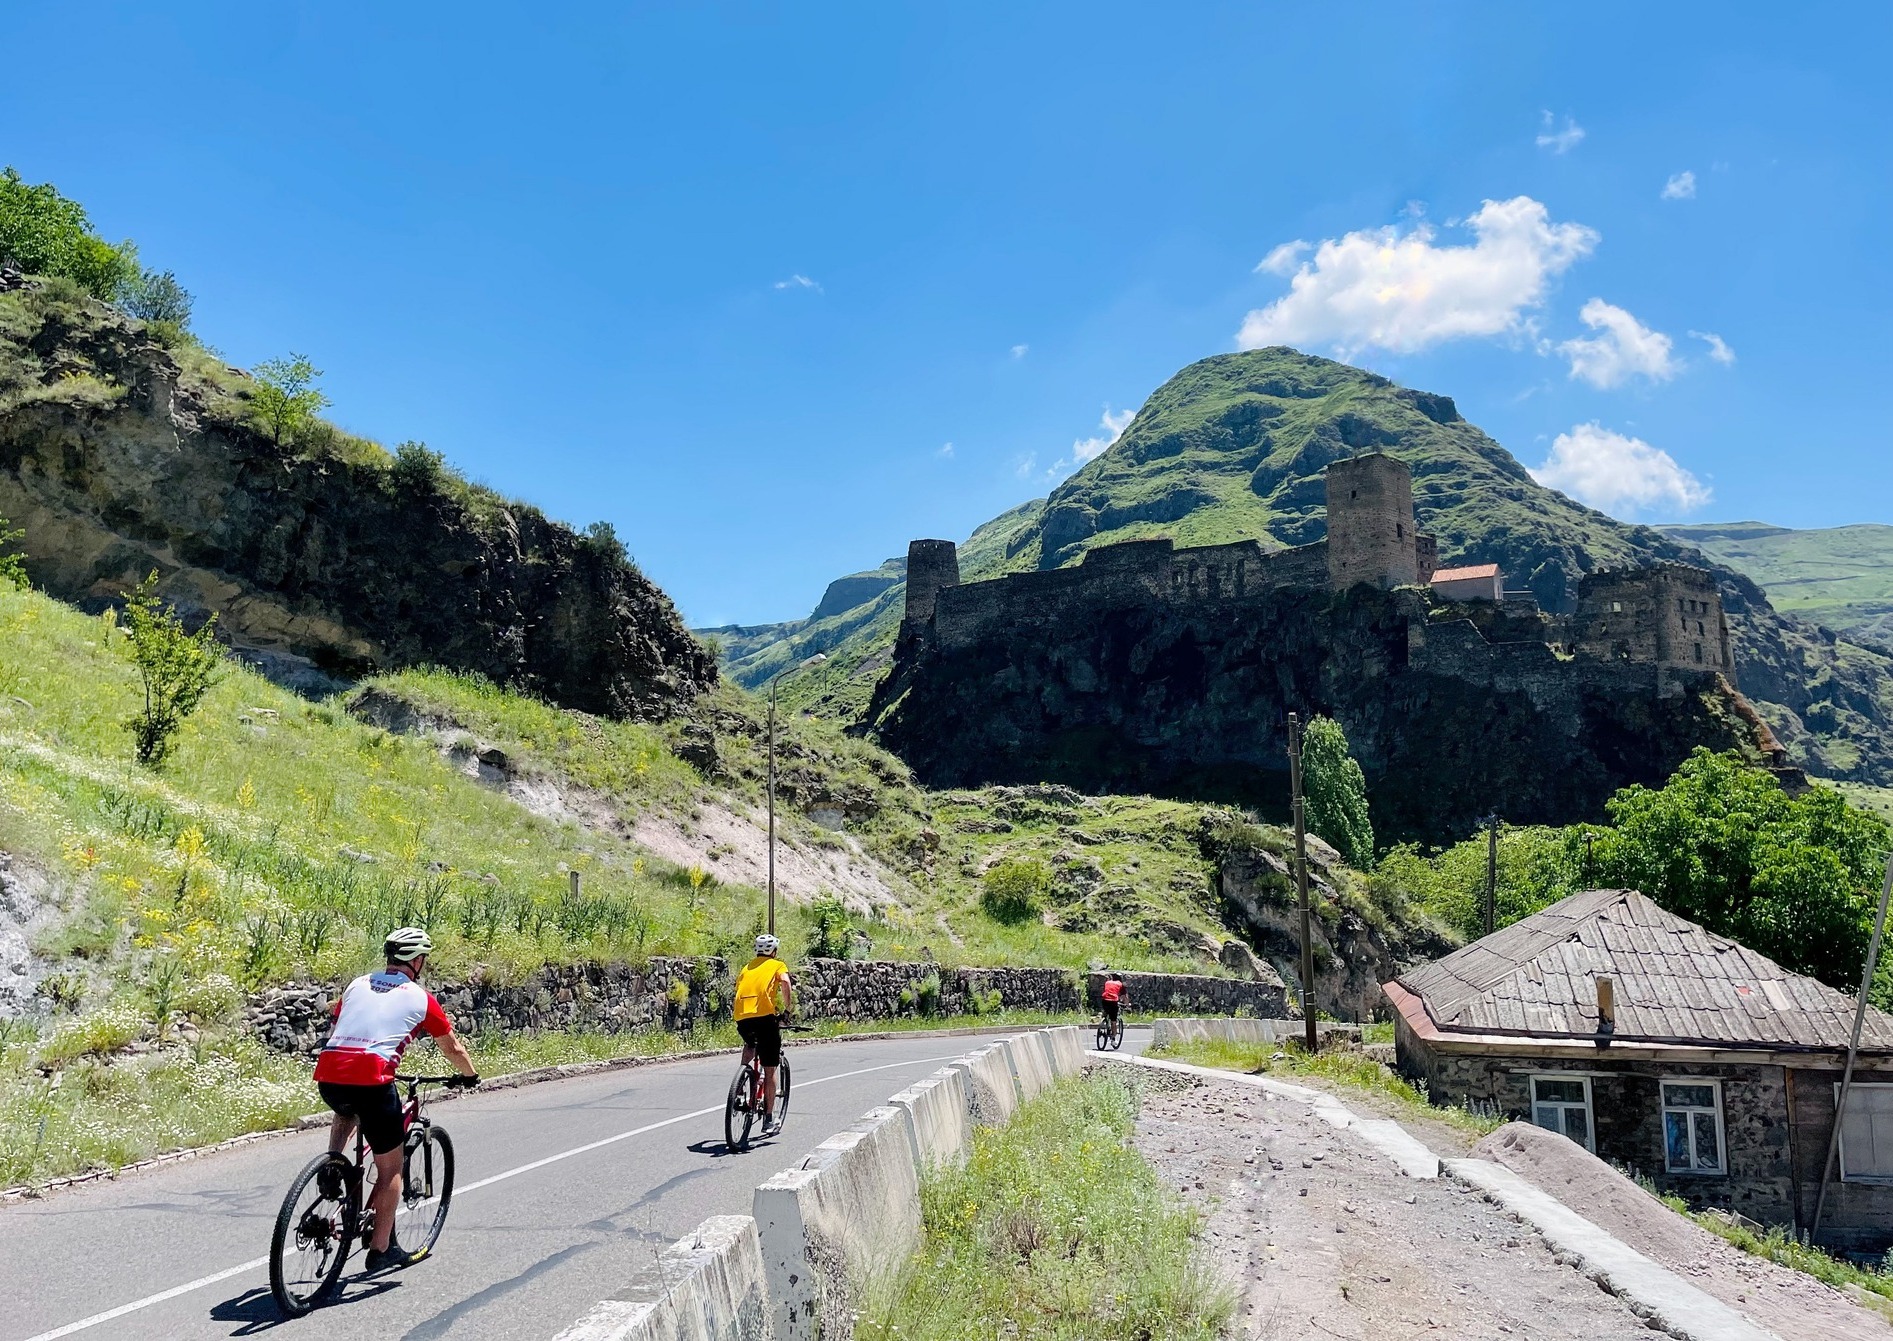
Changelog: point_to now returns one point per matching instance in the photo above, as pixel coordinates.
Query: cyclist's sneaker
(771, 1127)
(395, 1257)
(329, 1182)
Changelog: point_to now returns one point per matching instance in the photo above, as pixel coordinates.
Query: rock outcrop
(323, 558)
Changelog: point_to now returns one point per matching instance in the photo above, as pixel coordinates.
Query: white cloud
(1090, 449)
(1282, 260)
(946, 450)
(1680, 187)
(1559, 141)
(798, 282)
(1018, 351)
(1623, 348)
(1718, 347)
(1028, 464)
(1614, 473)
(1384, 288)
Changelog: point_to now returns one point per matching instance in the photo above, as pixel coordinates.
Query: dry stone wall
(676, 993)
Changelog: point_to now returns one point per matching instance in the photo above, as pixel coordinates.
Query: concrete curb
(707, 1286)
(1655, 1293)
(512, 1080)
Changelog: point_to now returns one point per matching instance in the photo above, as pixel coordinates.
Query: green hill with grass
(1838, 576)
(1234, 447)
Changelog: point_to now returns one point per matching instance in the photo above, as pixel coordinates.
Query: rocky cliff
(322, 557)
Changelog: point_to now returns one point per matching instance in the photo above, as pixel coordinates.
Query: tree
(44, 233)
(1336, 792)
(12, 566)
(1536, 869)
(160, 300)
(1794, 877)
(286, 395)
(177, 669)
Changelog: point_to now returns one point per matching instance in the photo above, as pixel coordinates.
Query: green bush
(1014, 890)
(44, 233)
(286, 397)
(831, 933)
(12, 565)
(177, 669)
(1336, 793)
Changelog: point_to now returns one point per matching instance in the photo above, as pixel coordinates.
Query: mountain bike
(1110, 1034)
(743, 1109)
(323, 1215)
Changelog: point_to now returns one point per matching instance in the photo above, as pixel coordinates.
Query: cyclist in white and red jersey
(378, 1016)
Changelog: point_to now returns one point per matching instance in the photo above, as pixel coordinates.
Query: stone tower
(1670, 614)
(931, 565)
(1371, 536)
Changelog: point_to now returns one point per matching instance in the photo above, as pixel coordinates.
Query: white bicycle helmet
(767, 944)
(407, 944)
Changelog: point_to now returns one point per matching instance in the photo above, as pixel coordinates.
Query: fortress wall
(1670, 615)
(932, 567)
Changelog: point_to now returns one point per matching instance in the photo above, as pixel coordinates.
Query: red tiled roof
(1457, 574)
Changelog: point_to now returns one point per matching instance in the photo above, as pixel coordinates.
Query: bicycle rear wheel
(427, 1187)
(313, 1232)
(782, 1093)
(1104, 1036)
(739, 1110)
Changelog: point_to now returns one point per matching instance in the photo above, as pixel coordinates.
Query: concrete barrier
(939, 1119)
(1241, 1030)
(849, 1214)
(1031, 1065)
(1066, 1044)
(708, 1286)
(992, 1096)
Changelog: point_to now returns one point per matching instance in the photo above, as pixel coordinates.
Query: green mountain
(1838, 576)
(1233, 447)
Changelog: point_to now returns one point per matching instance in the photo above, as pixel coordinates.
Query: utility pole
(1589, 837)
(1310, 1035)
(1853, 1049)
(773, 682)
(1492, 874)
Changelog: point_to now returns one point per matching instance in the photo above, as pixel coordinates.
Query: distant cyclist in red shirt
(378, 1016)
(1114, 999)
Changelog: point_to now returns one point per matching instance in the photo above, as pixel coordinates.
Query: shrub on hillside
(1336, 792)
(286, 397)
(831, 934)
(44, 233)
(1014, 890)
(12, 560)
(177, 669)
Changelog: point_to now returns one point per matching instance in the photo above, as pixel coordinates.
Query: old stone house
(1475, 582)
(1678, 1054)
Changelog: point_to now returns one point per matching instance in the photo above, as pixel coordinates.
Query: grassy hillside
(1234, 447)
(1840, 576)
(287, 836)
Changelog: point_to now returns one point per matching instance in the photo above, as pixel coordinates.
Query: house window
(1692, 1126)
(1699, 654)
(1563, 1104)
(1616, 607)
(1866, 1137)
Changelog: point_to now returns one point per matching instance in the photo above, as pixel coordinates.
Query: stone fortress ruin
(1152, 667)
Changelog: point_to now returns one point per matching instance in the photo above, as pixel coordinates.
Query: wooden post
(1310, 1035)
(1853, 1048)
(1492, 874)
(575, 886)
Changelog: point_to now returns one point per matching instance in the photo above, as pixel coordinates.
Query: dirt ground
(1783, 1300)
(1324, 1238)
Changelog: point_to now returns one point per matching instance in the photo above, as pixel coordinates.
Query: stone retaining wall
(675, 993)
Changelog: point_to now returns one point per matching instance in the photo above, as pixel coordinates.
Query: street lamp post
(775, 680)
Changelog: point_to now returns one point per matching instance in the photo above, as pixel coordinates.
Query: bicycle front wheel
(313, 1231)
(1117, 1033)
(739, 1110)
(427, 1187)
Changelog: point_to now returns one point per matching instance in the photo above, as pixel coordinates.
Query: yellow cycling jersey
(754, 987)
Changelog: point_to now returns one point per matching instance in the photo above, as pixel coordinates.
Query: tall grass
(1056, 1230)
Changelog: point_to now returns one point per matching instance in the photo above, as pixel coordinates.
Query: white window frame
(1881, 1179)
(1722, 1127)
(1590, 1109)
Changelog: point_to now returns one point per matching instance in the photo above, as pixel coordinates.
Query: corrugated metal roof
(1456, 574)
(1674, 982)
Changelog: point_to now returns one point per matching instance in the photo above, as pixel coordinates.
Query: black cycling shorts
(376, 1107)
(1110, 1010)
(763, 1033)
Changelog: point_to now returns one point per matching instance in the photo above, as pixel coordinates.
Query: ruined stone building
(1150, 667)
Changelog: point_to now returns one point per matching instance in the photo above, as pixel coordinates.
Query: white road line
(198, 1284)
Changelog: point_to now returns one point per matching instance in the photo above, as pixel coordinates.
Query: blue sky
(732, 277)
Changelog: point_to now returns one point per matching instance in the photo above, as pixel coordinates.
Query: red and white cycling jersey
(378, 1016)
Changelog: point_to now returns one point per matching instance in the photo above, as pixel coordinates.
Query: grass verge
(1337, 1066)
(1779, 1246)
(1056, 1230)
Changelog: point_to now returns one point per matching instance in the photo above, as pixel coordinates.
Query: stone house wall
(1773, 1160)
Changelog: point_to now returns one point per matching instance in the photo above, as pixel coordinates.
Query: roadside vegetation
(1781, 1247)
(1340, 1068)
(1055, 1230)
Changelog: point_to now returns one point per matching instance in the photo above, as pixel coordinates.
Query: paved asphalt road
(565, 1189)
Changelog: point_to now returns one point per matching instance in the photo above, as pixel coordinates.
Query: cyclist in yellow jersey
(764, 994)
